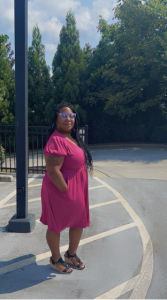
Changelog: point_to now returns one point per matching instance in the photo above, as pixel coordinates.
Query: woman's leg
(74, 239)
(53, 241)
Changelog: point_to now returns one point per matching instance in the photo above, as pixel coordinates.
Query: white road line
(96, 187)
(141, 288)
(6, 199)
(97, 205)
(120, 289)
(104, 203)
(91, 188)
(45, 255)
(39, 184)
(2, 202)
(13, 204)
(140, 283)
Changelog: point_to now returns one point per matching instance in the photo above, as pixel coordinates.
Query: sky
(50, 16)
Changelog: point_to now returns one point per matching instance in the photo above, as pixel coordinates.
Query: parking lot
(124, 247)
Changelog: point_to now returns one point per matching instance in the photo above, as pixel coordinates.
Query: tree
(39, 81)
(7, 86)
(130, 74)
(68, 67)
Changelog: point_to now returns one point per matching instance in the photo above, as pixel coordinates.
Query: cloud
(50, 29)
(51, 48)
(50, 16)
(88, 17)
(7, 16)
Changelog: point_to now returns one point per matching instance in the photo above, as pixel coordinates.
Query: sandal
(60, 261)
(68, 260)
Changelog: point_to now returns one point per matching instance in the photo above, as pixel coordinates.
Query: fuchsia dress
(70, 208)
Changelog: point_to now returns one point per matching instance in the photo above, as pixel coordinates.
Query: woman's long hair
(74, 134)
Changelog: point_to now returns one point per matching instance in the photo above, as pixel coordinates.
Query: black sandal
(60, 261)
(68, 260)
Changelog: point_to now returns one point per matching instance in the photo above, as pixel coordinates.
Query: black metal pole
(21, 83)
(21, 222)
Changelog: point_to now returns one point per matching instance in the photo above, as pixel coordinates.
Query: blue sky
(50, 17)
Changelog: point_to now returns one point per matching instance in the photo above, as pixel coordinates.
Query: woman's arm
(53, 166)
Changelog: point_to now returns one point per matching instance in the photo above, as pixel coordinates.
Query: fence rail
(37, 136)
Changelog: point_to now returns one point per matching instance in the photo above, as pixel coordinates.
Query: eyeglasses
(65, 115)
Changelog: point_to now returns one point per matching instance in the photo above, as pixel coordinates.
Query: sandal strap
(61, 261)
(76, 257)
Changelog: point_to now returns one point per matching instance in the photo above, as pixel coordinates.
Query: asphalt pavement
(124, 249)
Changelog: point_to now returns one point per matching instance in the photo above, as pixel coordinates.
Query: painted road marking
(91, 206)
(39, 184)
(139, 284)
(32, 200)
(45, 255)
(92, 188)
(95, 205)
(142, 285)
(14, 203)
(6, 199)
(120, 289)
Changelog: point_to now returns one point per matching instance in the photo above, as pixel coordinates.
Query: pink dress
(70, 208)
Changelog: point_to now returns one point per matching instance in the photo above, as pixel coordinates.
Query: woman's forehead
(65, 109)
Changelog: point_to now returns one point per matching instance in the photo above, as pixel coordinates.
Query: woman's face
(65, 124)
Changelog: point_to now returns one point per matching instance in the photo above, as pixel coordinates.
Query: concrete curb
(6, 178)
(126, 145)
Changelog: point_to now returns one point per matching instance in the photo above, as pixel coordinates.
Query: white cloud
(88, 18)
(50, 16)
(51, 48)
(7, 15)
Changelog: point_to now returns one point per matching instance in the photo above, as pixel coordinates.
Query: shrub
(2, 155)
(159, 134)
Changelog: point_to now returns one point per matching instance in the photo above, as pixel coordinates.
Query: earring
(57, 126)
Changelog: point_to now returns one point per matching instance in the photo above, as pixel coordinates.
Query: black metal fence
(38, 136)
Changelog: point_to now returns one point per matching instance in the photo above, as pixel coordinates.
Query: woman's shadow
(24, 277)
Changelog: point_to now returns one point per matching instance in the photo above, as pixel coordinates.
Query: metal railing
(38, 136)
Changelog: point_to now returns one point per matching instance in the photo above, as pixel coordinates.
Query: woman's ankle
(56, 257)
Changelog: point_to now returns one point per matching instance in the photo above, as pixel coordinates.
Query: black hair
(74, 134)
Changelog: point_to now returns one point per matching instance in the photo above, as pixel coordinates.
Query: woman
(65, 187)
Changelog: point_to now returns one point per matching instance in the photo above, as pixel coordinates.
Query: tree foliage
(39, 81)
(7, 86)
(130, 62)
(68, 67)
(118, 88)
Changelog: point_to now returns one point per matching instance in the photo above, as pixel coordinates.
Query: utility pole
(21, 221)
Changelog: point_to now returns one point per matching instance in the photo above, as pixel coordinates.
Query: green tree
(128, 72)
(39, 81)
(7, 86)
(68, 68)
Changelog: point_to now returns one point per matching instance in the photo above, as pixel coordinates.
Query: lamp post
(21, 221)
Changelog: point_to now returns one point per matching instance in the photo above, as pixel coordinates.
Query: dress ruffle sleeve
(56, 146)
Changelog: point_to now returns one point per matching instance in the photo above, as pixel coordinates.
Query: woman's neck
(68, 134)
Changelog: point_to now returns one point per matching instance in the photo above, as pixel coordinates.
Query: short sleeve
(55, 147)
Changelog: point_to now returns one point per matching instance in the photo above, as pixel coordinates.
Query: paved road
(124, 249)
